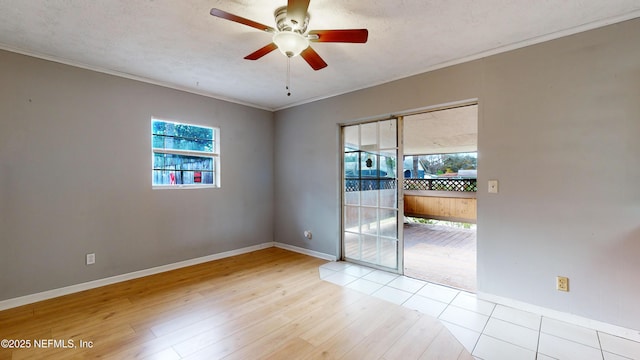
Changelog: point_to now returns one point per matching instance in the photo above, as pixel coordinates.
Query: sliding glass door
(371, 203)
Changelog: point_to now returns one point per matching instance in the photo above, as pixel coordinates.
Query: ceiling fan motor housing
(285, 24)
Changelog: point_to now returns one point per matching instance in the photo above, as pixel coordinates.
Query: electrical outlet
(307, 234)
(91, 259)
(562, 283)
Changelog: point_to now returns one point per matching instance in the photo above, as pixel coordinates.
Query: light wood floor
(269, 304)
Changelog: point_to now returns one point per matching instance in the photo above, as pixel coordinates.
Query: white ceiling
(178, 44)
(452, 130)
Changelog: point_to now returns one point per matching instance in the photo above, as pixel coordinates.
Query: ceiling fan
(290, 35)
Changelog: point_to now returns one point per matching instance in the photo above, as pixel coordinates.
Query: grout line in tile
(600, 343)
(508, 342)
(455, 297)
(571, 340)
(485, 327)
(490, 316)
(539, 332)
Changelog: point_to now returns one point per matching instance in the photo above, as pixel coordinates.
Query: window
(184, 155)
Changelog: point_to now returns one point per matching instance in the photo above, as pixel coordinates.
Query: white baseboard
(554, 314)
(49, 294)
(304, 251)
(562, 316)
(45, 295)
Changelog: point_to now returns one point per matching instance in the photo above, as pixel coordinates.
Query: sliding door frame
(399, 195)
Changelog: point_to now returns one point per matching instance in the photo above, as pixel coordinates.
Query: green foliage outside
(448, 163)
(168, 135)
(391, 166)
(458, 225)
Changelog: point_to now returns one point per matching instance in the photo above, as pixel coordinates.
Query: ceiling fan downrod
(288, 86)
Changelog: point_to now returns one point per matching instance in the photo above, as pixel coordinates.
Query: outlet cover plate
(562, 283)
(91, 259)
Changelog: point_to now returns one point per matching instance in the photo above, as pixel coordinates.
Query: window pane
(182, 162)
(182, 177)
(352, 245)
(351, 192)
(369, 136)
(388, 138)
(352, 164)
(388, 160)
(388, 194)
(158, 141)
(368, 165)
(352, 218)
(369, 220)
(388, 183)
(173, 169)
(194, 144)
(369, 193)
(193, 132)
(158, 127)
(176, 143)
(370, 179)
(370, 249)
(351, 141)
(168, 135)
(388, 223)
(388, 253)
(158, 161)
(351, 178)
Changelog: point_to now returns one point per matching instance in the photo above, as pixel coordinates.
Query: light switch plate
(493, 186)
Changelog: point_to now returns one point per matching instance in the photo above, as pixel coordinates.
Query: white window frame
(215, 155)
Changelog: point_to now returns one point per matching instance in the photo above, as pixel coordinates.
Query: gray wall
(558, 128)
(75, 177)
(559, 124)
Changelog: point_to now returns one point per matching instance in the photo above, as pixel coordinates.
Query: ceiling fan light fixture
(290, 43)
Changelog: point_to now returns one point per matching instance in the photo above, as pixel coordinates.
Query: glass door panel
(370, 225)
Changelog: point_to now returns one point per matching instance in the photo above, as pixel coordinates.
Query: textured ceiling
(444, 131)
(177, 43)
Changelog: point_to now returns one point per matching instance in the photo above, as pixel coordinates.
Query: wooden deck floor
(440, 254)
(268, 304)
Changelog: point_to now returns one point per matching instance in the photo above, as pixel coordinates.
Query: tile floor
(489, 331)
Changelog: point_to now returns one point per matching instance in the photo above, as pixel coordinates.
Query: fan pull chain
(288, 76)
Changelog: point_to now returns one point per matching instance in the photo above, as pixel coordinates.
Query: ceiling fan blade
(261, 52)
(297, 10)
(345, 36)
(228, 16)
(313, 59)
